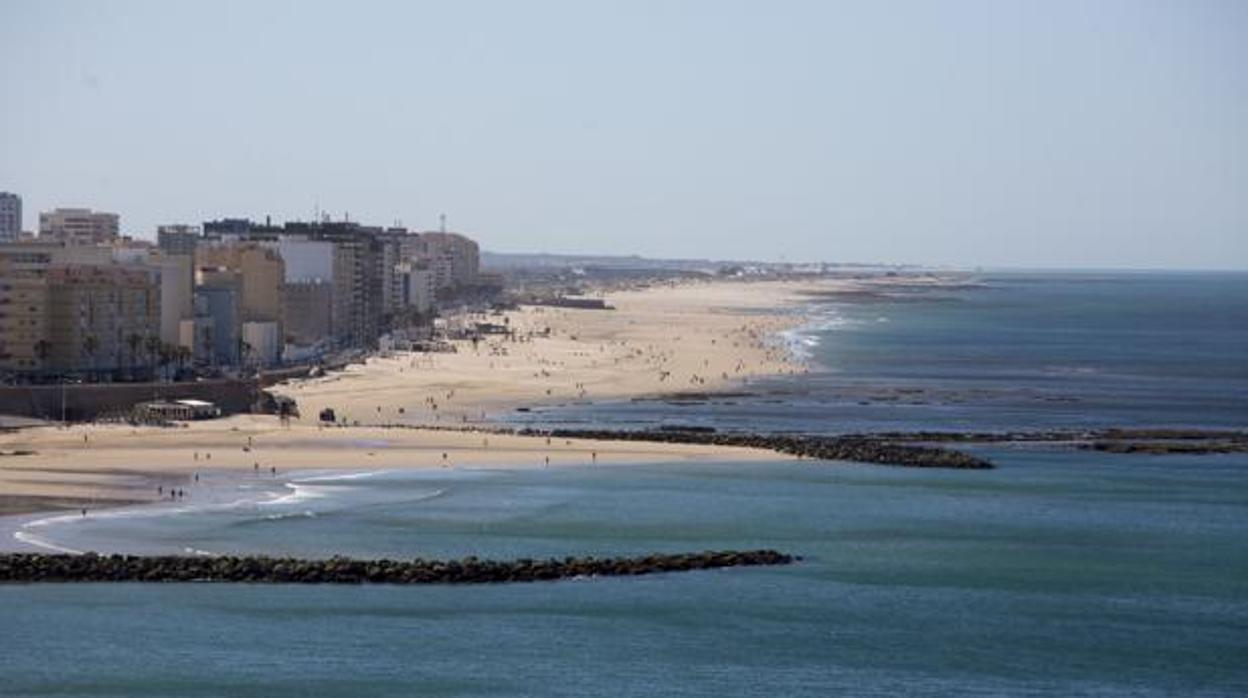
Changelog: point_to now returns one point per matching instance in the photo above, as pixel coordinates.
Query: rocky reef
(860, 449)
(34, 567)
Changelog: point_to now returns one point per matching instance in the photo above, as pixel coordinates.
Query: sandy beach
(691, 337)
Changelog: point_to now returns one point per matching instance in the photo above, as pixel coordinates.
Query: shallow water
(1060, 572)
(1076, 574)
(1019, 351)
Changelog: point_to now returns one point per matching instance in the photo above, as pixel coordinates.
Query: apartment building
(79, 226)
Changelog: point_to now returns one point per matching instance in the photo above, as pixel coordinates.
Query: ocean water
(1009, 351)
(1058, 573)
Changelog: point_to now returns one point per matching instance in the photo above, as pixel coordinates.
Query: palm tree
(167, 354)
(183, 355)
(90, 345)
(152, 344)
(43, 349)
(244, 352)
(134, 340)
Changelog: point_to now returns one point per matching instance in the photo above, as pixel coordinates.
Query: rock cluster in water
(857, 449)
(28, 567)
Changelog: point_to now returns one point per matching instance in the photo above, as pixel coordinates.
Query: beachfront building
(417, 287)
(26, 295)
(374, 277)
(176, 410)
(455, 259)
(102, 319)
(260, 271)
(308, 309)
(177, 239)
(261, 344)
(10, 217)
(79, 226)
(216, 338)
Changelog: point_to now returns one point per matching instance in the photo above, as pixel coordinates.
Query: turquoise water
(1059, 573)
(1089, 575)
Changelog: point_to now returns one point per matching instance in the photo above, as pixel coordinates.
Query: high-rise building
(308, 312)
(10, 216)
(79, 226)
(261, 272)
(218, 319)
(417, 288)
(102, 318)
(177, 239)
(454, 258)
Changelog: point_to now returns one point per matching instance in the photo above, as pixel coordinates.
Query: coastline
(703, 336)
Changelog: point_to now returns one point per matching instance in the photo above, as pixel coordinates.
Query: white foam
(32, 539)
(301, 493)
(307, 513)
(342, 476)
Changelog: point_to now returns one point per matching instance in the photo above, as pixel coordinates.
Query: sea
(1060, 572)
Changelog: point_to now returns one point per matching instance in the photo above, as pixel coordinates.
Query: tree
(43, 349)
(244, 352)
(134, 341)
(153, 346)
(183, 356)
(166, 354)
(90, 345)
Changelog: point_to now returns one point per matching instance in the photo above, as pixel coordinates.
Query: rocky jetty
(857, 449)
(27, 568)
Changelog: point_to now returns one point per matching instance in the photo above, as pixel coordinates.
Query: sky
(1046, 133)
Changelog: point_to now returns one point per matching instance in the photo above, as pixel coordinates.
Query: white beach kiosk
(178, 410)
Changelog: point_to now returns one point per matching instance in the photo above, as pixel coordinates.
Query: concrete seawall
(88, 401)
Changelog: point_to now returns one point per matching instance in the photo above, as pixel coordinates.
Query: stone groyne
(34, 567)
(856, 449)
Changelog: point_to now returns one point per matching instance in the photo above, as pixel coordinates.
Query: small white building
(177, 410)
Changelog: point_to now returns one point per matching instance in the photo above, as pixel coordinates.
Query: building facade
(79, 226)
(102, 319)
(10, 216)
(177, 239)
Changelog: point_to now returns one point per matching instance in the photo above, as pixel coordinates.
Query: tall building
(10, 216)
(102, 318)
(308, 312)
(218, 319)
(24, 341)
(79, 226)
(177, 239)
(261, 272)
(454, 258)
(417, 288)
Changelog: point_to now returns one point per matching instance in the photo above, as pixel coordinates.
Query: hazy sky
(1051, 133)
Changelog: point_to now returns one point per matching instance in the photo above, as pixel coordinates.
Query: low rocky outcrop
(28, 568)
(856, 449)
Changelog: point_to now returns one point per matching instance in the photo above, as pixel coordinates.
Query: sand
(689, 337)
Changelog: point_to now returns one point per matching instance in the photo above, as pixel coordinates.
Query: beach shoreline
(413, 411)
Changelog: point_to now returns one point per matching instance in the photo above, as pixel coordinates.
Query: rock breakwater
(857, 449)
(34, 567)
